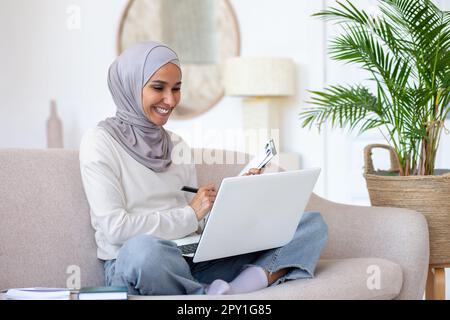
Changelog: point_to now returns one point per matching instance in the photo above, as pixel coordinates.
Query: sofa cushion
(46, 238)
(334, 279)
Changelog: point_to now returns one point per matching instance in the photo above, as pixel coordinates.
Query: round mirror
(204, 33)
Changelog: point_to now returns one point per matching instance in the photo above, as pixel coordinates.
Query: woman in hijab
(133, 189)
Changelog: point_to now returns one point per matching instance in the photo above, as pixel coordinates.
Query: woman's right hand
(203, 200)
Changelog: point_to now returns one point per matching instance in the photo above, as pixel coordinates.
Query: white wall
(42, 59)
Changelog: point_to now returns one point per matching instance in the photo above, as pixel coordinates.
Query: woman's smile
(162, 111)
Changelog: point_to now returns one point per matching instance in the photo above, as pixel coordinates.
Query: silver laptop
(252, 213)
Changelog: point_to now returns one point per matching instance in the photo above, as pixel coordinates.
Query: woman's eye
(162, 88)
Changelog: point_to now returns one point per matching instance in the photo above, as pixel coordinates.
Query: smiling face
(161, 94)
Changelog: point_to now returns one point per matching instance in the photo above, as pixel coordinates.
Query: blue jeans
(151, 266)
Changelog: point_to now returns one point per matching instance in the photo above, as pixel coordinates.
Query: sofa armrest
(398, 235)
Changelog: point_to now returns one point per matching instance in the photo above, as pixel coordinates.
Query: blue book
(103, 293)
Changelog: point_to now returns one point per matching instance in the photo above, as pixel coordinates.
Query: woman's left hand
(253, 171)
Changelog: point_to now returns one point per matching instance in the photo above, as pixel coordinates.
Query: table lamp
(261, 81)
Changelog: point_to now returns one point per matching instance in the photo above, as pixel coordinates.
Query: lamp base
(261, 123)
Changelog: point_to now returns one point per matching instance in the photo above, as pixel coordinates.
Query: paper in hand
(261, 160)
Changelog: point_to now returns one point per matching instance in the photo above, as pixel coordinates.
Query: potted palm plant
(406, 51)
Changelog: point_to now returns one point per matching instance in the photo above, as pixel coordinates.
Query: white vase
(54, 128)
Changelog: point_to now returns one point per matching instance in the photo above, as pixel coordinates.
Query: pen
(189, 189)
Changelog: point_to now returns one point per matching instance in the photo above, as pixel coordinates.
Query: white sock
(218, 286)
(249, 280)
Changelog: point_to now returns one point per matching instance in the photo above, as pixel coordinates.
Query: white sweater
(127, 199)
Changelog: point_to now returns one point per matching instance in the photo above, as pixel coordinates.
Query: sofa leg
(439, 284)
(435, 289)
(429, 292)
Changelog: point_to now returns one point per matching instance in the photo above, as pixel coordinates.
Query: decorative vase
(54, 128)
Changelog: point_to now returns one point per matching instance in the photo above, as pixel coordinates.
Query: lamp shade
(259, 76)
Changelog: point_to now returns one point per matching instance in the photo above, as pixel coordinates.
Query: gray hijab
(146, 142)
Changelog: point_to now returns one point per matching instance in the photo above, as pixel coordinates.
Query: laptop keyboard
(188, 248)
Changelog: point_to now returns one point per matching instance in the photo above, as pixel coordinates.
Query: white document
(261, 159)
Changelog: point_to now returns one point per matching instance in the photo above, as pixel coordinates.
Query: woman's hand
(253, 171)
(203, 200)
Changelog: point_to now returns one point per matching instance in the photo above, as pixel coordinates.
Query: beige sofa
(46, 236)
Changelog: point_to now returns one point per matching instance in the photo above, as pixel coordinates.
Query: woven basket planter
(429, 195)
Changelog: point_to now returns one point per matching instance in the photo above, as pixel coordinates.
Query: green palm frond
(427, 31)
(343, 107)
(345, 13)
(357, 45)
(349, 16)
